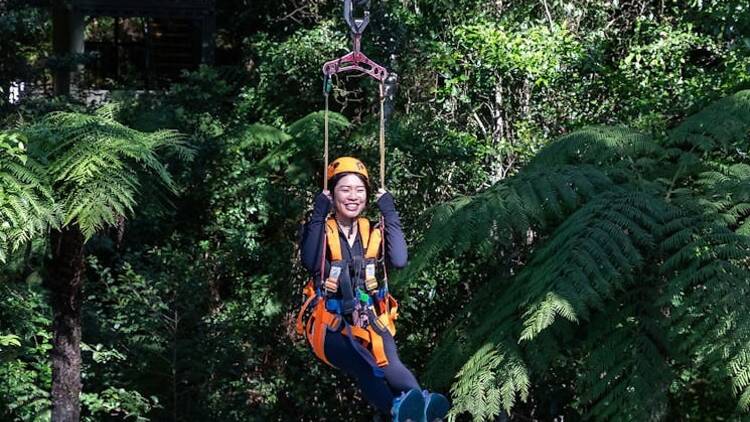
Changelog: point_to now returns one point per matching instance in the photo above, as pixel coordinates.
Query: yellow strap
(373, 247)
(388, 323)
(371, 239)
(364, 230)
(334, 244)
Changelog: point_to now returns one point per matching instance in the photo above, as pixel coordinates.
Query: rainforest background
(573, 179)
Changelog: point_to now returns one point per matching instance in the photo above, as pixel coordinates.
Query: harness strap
(364, 230)
(373, 246)
(371, 340)
(320, 321)
(310, 293)
(377, 347)
(388, 313)
(334, 244)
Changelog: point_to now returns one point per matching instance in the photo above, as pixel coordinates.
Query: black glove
(386, 203)
(321, 206)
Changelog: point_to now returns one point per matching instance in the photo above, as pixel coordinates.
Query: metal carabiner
(357, 25)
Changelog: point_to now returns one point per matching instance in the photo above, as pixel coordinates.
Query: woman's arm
(312, 235)
(395, 243)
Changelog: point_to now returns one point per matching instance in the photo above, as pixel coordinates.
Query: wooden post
(61, 45)
(208, 28)
(67, 39)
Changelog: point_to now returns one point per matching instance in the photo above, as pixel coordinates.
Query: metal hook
(357, 25)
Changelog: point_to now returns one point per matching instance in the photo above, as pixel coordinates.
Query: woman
(346, 329)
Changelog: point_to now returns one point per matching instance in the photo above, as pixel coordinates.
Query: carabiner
(357, 25)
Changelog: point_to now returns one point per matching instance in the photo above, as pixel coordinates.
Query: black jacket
(313, 230)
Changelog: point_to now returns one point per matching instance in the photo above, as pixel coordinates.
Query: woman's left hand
(380, 193)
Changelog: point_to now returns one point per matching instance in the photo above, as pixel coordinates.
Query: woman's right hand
(322, 204)
(327, 193)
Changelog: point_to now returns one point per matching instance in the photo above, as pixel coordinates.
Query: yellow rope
(382, 136)
(325, 154)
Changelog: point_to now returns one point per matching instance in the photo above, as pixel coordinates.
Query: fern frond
(259, 137)
(722, 125)
(507, 212)
(491, 380)
(26, 203)
(305, 140)
(599, 145)
(625, 376)
(593, 253)
(95, 162)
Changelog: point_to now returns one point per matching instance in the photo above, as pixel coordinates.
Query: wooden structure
(179, 33)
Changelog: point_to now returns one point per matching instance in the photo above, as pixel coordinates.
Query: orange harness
(321, 320)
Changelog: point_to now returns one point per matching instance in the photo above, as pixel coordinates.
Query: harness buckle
(332, 282)
(371, 283)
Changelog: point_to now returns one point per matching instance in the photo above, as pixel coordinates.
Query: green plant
(26, 205)
(636, 260)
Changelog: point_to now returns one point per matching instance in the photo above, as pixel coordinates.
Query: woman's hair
(335, 180)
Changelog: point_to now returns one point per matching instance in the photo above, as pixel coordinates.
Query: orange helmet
(347, 165)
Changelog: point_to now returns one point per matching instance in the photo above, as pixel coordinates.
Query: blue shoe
(436, 406)
(408, 407)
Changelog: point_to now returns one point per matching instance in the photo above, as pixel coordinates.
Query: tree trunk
(64, 279)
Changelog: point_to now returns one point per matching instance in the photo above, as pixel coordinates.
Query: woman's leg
(342, 354)
(398, 376)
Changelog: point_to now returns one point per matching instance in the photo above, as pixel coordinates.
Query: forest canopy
(573, 180)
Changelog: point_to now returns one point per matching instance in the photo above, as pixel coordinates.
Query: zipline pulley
(355, 60)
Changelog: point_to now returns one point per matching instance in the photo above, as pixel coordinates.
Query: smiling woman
(350, 314)
(350, 196)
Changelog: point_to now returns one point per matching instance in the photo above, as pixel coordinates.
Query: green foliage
(619, 256)
(117, 402)
(9, 340)
(25, 370)
(288, 79)
(646, 267)
(90, 159)
(26, 206)
(488, 382)
(671, 68)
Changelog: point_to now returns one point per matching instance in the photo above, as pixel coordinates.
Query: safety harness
(374, 312)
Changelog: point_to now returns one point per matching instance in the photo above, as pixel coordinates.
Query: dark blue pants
(379, 385)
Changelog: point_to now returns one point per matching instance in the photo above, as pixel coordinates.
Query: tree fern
(722, 126)
(489, 382)
(597, 145)
(506, 212)
(625, 375)
(94, 164)
(26, 204)
(594, 252)
(304, 138)
(639, 268)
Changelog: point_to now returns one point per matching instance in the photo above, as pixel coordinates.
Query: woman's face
(349, 196)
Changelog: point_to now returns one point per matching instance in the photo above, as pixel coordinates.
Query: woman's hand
(380, 193)
(322, 204)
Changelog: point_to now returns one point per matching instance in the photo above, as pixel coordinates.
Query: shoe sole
(411, 408)
(437, 407)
